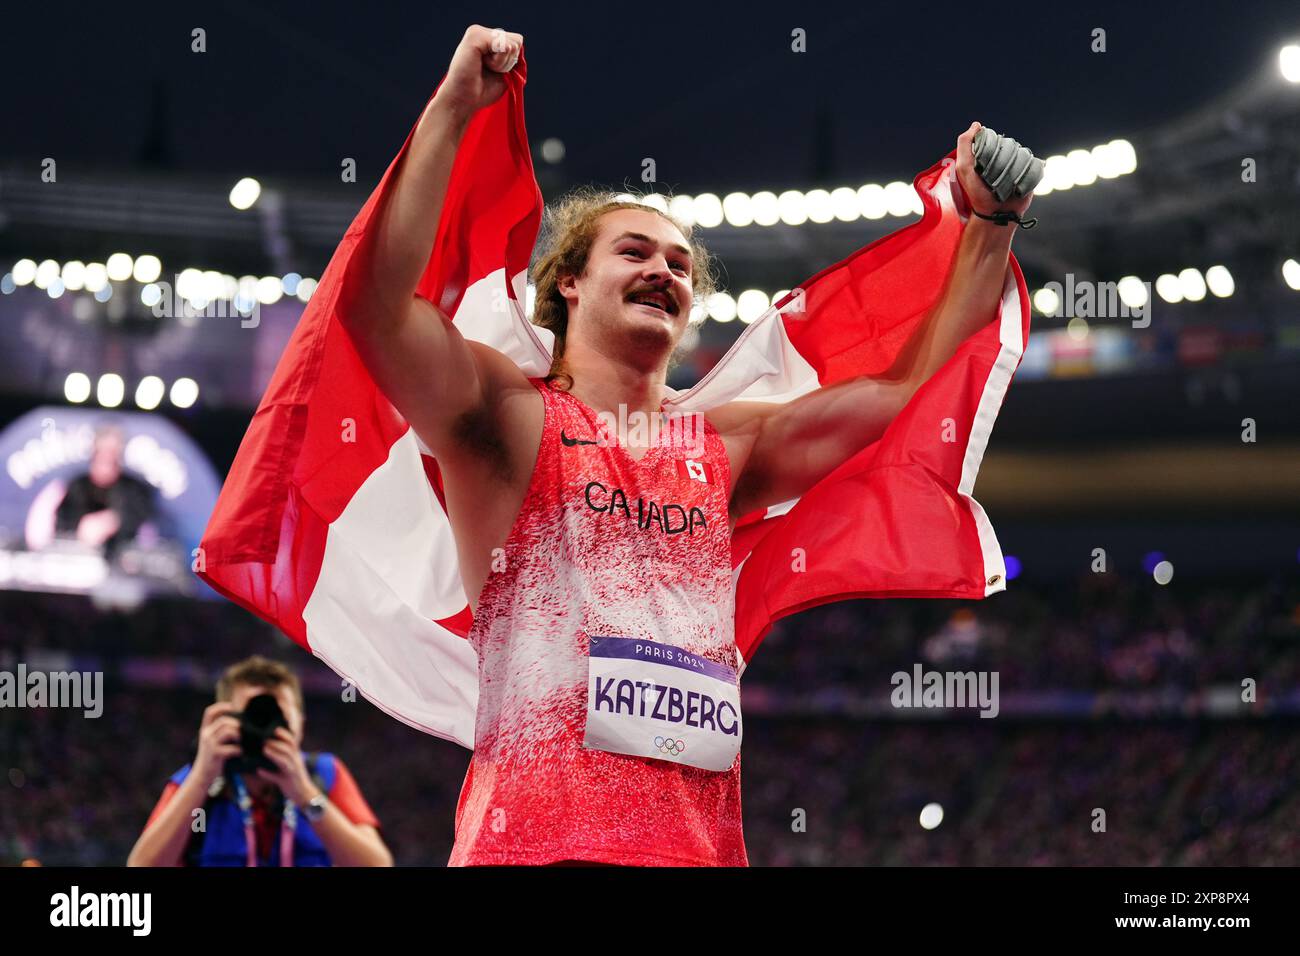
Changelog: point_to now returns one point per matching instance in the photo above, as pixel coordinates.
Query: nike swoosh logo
(570, 442)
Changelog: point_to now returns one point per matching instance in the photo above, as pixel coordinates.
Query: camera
(257, 724)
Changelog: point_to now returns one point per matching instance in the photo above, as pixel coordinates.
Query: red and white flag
(346, 545)
(693, 470)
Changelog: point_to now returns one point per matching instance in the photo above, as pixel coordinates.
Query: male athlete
(599, 572)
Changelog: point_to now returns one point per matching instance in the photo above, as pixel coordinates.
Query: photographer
(308, 811)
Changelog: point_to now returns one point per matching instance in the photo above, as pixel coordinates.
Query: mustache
(673, 304)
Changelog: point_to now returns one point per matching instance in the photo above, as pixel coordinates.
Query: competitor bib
(648, 699)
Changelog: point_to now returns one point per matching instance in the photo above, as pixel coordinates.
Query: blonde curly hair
(569, 229)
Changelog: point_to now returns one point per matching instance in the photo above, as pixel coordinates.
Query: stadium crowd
(818, 789)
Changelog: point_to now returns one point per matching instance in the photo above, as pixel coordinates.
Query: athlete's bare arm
(778, 452)
(470, 404)
(433, 377)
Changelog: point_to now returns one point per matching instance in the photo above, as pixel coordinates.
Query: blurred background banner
(166, 212)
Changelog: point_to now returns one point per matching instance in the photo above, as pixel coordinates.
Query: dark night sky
(712, 92)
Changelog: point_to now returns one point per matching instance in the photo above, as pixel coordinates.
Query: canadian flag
(347, 547)
(700, 471)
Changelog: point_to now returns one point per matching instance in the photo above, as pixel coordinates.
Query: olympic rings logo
(666, 745)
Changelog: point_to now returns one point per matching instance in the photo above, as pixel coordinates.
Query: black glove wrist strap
(1004, 216)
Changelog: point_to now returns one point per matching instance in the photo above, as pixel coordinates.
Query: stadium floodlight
(1288, 61)
(46, 272)
(682, 208)
(149, 393)
(1105, 161)
(119, 266)
(96, 276)
(819, 206)
(24, 271)
(792, 208)
(1193, 284)
(1132, 292)
(931, 816)
(1220, 281)
(189, 284)
(655, 201)
(1078, 167)
(1082, 169)
(1056, 176)
(1047, 301)
(74, 275)
(245, 192)
(552, 149)
(751, 304)
(269, 290)
(765, 208)
(1291, 274)
(871, 198)
(76, 387)
(898, 198)
(212, 285)
(844, 202)
(722, 307)
(738, 209)
(109, 390)
(708, 210)
(1169, 288)
(1125, 155)
(147, 269)
(184, 392)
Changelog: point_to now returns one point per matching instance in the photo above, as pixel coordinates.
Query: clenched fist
(475, 78)
(981, 197)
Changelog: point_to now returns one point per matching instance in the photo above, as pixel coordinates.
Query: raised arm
(415, 354)
(974, 287)
(780, 451)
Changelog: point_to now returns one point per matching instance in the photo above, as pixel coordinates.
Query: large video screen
(111, 504)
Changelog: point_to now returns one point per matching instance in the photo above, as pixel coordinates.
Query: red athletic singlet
(604, 545)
